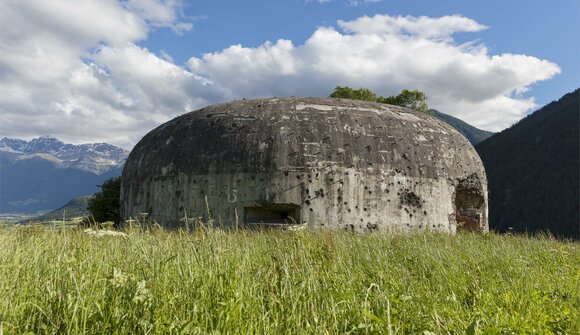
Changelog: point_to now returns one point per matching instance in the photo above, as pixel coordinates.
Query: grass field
(278, 282)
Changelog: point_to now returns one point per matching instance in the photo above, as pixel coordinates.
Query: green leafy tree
(350, 93)
(411, 99)
(414, 99)
(104, 206)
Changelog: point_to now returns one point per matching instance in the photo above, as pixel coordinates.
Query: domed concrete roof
(291, 133)
(296, 135)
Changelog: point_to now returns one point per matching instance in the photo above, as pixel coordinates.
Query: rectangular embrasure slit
(273, 214)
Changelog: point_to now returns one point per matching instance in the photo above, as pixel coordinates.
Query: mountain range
(45, 173)
(533, 171)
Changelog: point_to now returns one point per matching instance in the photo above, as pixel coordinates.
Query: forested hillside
(533, 171)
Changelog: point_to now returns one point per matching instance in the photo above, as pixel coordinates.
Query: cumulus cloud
(423, 27)
(76, 70)
(386, 54)
(73, 70)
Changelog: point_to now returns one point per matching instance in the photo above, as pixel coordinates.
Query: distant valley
(44, 174)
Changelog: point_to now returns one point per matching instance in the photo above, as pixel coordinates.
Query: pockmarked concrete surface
(319, 162)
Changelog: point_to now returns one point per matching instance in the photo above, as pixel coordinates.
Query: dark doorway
(470, 211)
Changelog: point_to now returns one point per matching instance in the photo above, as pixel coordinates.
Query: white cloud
(160, 13)
(386, 54)
(69, 69)
(75, 70)
(423, 26)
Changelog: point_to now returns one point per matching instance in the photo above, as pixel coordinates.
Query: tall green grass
(279, 282)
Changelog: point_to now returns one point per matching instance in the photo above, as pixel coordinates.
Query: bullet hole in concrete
(307, 191)
(424, 212)
(356, 206)
(398, 183)
(433, 226)
(310, 209)
(366, 187)
(348, 210)
(364, 209)
(298, 177)
(368, 147)
(372, 226)
(361, 220)
(345, 203)
(286, 173)
(317, 174)
(388, 200)
(339, 198)
(307, 202)
(410, 199)
(370, 192)
(410, 215)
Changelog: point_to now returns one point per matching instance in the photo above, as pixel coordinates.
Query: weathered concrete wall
(331, 163)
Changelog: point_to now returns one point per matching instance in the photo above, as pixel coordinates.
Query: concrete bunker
(321, 162)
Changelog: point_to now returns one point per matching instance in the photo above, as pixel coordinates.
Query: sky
(111, 71)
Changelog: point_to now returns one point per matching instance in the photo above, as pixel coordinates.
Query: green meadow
(280, 282)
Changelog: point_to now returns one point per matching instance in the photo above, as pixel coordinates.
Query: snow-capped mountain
(44, 174)
(97, 158)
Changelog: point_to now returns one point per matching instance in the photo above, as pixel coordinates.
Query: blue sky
(112, 70)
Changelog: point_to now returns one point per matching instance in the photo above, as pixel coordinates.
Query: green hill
(77, 207)
(474, 135)
(533, 171)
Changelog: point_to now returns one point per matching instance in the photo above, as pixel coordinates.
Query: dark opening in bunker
(272, 215)
(469, 205)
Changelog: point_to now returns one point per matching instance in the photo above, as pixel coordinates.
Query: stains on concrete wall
(327, 163)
